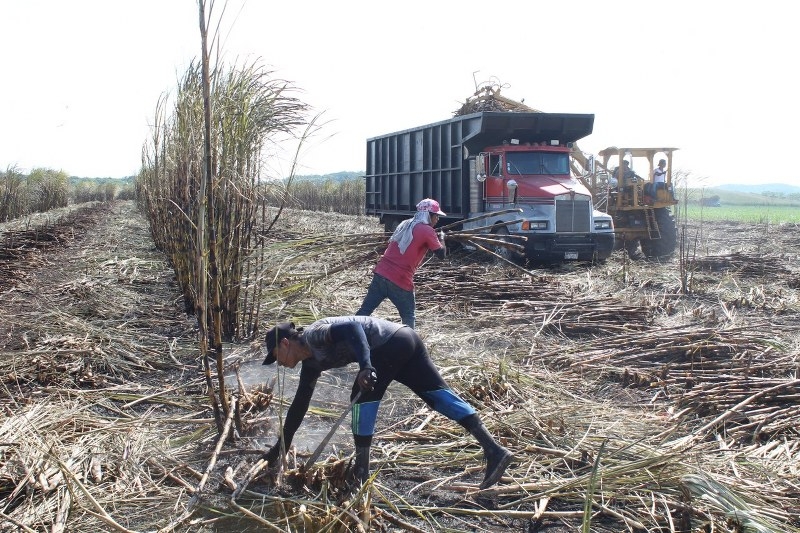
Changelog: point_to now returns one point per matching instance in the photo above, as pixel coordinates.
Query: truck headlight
(602, 224)
(534, 225)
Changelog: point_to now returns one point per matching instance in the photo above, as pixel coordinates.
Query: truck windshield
(537, 163)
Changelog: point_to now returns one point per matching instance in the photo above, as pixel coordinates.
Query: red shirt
(399, 268)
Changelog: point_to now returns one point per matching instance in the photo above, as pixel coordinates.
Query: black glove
(367, 379)
(271, 457)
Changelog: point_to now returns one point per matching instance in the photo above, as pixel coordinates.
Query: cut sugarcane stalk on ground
(321, 446)
(480, 217)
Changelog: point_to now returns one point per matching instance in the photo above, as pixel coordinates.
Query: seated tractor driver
(629, 177)
(629, 187)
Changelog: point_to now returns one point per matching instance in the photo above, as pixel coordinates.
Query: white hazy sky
(81, 78)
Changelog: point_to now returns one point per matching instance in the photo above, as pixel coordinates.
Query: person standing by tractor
(660, 174)
(393, 276)
(385, 351)
(659, 181)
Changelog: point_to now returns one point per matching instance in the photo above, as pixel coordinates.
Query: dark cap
(282, 330)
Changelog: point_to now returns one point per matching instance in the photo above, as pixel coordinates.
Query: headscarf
(404, 232)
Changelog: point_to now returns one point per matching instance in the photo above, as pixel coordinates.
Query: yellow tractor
(635, 187)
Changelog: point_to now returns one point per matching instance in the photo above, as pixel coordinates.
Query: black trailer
(432, 161)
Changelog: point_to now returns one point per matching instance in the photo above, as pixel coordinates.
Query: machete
(327, 438)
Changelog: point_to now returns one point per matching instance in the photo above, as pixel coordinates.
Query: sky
(717, 79)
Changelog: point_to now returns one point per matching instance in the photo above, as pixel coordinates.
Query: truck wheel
(390, 224)
(665, 246)
(501, 234)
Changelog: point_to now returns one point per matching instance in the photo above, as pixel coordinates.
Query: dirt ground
(688, 366)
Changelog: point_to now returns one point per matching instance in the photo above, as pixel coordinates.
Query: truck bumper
(581, 247)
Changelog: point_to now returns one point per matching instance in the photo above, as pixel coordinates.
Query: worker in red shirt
(393, 276)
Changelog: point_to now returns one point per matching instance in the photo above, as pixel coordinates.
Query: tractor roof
(635, 152)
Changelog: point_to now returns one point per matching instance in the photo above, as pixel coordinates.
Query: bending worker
(393, 276)
(385, 351)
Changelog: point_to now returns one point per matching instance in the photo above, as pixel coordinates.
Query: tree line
(787, 196)
(43, 189)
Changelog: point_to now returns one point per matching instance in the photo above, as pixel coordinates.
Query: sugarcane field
(480, 327)
(635, 395)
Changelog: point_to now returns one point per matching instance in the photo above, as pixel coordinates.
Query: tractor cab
(636, 177)
(635, 187)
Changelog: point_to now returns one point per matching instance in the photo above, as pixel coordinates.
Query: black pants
(404, 358)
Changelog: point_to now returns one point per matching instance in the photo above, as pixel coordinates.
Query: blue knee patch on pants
(363, 417)
(446, 402)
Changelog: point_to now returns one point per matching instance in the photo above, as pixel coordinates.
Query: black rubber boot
(497, 457)
(361, 467)
(497, 460)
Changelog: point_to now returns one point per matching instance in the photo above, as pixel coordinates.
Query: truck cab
(557, 218)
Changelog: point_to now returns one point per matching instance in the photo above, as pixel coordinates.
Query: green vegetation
(331, 193)
(102, 189)
(774, 214)
(45, 189)
(727, 197)
(714, 204)
(41, 190)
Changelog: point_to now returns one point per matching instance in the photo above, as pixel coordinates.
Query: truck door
(495, 165)
(494, 189)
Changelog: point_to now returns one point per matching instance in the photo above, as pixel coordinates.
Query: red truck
(490, 161)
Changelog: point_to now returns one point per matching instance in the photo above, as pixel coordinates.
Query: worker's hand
(271, 457)
(367, 379)
(441, 236)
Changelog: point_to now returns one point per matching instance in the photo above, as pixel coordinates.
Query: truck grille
(572, 216)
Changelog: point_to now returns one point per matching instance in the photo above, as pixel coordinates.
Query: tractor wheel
(633, 250)
(665, 246)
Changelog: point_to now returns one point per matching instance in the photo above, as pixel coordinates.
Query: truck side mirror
(591, 164)
(480, 167)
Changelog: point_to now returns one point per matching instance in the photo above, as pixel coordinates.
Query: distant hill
(760, 188)
(335, 176)
(102, 181)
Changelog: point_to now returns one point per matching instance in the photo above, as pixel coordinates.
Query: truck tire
(665, 246)
(501, 234)
(390, 223)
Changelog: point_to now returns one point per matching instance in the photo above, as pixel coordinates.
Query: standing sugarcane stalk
(208, 266)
